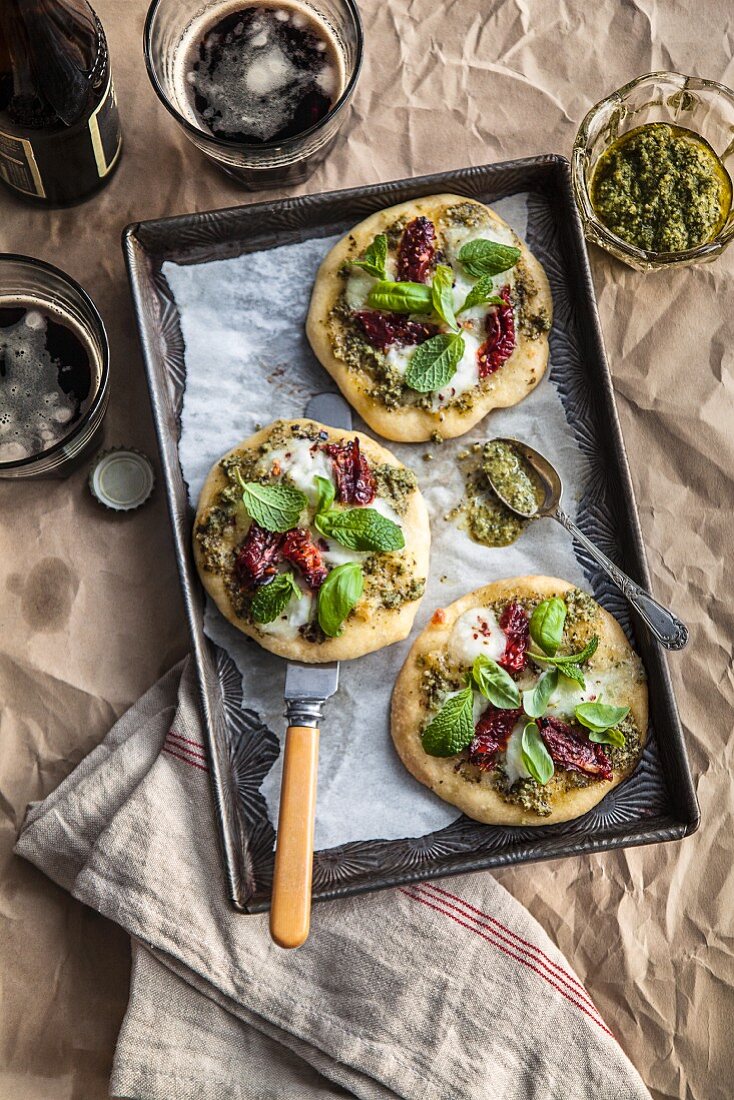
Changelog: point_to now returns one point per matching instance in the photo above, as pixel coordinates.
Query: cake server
(307, 687)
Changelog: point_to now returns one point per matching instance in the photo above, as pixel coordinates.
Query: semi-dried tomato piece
(500, 342)
(300, 550)
(258, 556)
(354, 481)
(417, 251)
(516, 625)
(382, 330)
(491, 734)
(570, 748)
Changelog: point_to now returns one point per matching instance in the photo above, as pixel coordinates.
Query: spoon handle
(668, 630)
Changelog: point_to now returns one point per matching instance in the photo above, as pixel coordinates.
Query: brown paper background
(90, 611)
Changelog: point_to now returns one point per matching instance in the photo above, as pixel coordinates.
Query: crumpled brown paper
(91, 611)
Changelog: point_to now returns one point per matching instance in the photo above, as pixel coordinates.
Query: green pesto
(464, 213)
(486, 518)
(508, 475)
(389, 581)
(661, 188)
(395, 484)
(530, 323)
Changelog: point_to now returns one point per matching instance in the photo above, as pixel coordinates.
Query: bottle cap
(121, 479)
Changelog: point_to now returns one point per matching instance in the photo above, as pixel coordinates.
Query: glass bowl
(703, 106)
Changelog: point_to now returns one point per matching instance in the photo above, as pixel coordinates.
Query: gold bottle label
(104, 129)
(18, 165)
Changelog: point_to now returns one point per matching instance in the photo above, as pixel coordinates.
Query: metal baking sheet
(657, 803)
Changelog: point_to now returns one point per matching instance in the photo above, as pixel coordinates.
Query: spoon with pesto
(530, 486)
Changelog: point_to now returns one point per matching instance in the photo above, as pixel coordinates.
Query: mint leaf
(452, 729)
(434, 363)
(270, 601)
(535, 701)
(360, 529)
(338, 595)
(569, 664)
(599, 717)
(374, 258)
(495, 684)
(546, 625)
(325, 493)
(612, 737)
(400, 297)
(482, 293)
(442, 295)
(274, 507)
(484, 257)
(535, 755)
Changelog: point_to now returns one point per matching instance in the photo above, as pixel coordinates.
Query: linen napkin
(435, 991)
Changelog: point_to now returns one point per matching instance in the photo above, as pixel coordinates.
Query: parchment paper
(91, 611)
(242, 369)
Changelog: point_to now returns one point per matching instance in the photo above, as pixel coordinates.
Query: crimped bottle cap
(121, 479)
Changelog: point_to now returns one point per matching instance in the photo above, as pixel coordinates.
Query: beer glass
(171, 31)
(32, 285)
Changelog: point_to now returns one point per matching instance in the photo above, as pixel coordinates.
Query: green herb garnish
(482, 293)
(535, 755)
(495, 684)
(601, 720)
(535, 701)
(442, 295)
(374, 258)
(274, 507)
(270, 601)
(433, 364)
(546, 625)
(325, 493)
(360, 529)
(482, 257)
(452, 729)
(338, 595)
(569, 664)
(401, 297)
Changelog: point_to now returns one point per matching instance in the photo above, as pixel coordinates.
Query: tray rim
(143, 259)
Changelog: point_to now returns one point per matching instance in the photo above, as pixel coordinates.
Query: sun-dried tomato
(354, 481)
(381, 330)
(258, 556)
(491, 734)
(516, 625)
(570, 748)
(417, 251)
(300, 550)
(500, 342)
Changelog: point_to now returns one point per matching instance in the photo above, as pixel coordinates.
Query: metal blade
(304, 681)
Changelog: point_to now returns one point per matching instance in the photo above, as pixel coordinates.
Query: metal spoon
(668, 630)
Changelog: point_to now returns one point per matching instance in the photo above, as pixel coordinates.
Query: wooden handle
(290, 909)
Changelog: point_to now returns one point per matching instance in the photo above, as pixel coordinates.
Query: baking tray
(657, 803)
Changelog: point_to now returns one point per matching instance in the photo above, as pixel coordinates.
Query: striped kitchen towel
(437, 991)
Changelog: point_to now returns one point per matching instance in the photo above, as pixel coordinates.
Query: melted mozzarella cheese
(514, 767)
(336, 554)
(359, 284)
(385, 510)
(297, 613)
(302, 461)
(399, 356)
(568, 694)
(476, 631)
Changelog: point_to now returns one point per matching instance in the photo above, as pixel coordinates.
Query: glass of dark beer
(260, 86)
(54, 370)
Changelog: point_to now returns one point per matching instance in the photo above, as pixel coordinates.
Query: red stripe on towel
(186, 760)
(175, 739)
(534, 952)
(172, 733)
(490, 938)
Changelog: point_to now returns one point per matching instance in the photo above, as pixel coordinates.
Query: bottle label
(104, 128)
(18, 165)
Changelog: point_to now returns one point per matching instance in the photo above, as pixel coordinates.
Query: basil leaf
(535, 701)
(326, 491)
(452, 729)
(535, 755)
(442, 295)
(570, 663)
(546, 625)
(400, 297)
(274, 507)
(270, 601)
(495, 684)
(434, 363)
(337, 596)
(484, 257)
(374, 258)
(482, 293)
(360, 529)
(612, 737)
(600, 717)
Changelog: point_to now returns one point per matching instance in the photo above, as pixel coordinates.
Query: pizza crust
(479, 800)
(515, 379)
(366, 629)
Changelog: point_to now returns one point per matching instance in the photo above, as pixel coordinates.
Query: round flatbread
(313, 541)
(371, 352)
(489, 778)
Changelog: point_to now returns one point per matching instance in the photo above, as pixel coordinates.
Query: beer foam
(34, 409)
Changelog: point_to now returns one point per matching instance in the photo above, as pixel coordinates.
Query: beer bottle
(59, 126)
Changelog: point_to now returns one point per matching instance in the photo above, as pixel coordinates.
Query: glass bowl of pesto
(650, 171)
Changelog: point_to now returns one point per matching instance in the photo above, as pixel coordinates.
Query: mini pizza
(313, 541)
(522, 703)
(430, 314)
